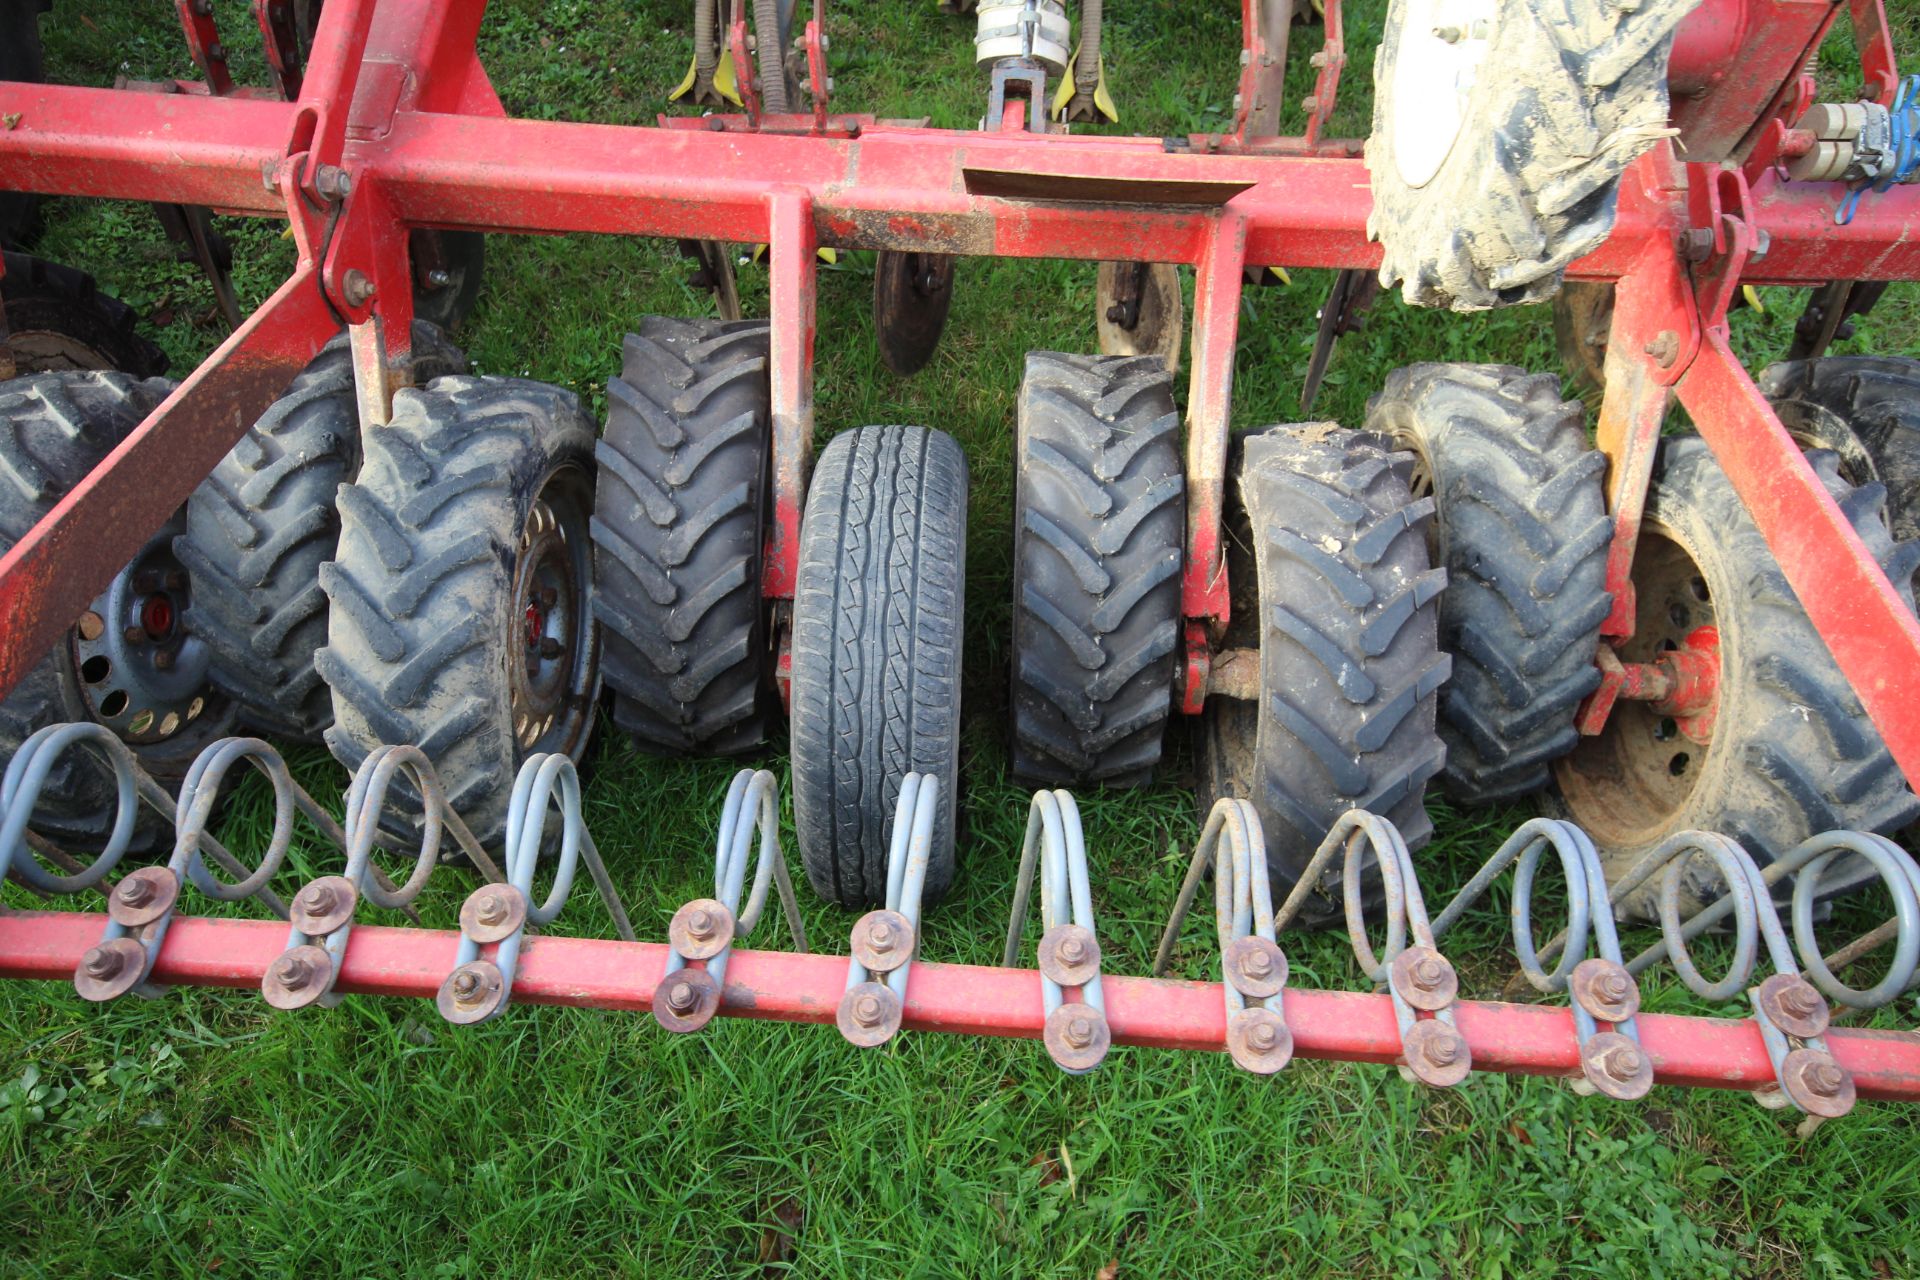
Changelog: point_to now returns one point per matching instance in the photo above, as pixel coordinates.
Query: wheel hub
(551, 642)
(1442, 44)
(140, 672)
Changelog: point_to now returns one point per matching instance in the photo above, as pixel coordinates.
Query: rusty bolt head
(880, 934)
(701, 929)
(1615, 1066)
(324, 905)
(681, 996)
(1424, 979)
(110, 969)
(1792, 1004)
(1073, 950)
(492, 908)
(1623, 1062)
(290, 971)
(1664, 348)
(1696, 244)
(1258, 964)
(466, 985)
(882, 941)
(1428, 974)
(1079, 1032)
(1254, 967)
(1069, 955)
(135, 893)
(357, 288)
(298, 978)
(101, 963)
(1817, 1084)
(472, 993)
(1258, 1040)
(686, 1000)
(868, 1015)
(1077, 1037)
(1437, 1054)
(318, 898)
(1604, 989)
(1825, 1079)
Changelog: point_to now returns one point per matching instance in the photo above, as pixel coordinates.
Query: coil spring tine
(1811, 859)
(705, 929)
(20, 788)
(885, 941)
(1076, 1033)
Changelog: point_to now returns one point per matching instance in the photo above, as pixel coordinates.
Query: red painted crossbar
(595, 973)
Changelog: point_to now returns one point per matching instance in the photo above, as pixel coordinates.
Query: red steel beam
(967, 999)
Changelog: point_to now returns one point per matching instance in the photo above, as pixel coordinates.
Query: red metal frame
(394, 126)
(1708, 1053)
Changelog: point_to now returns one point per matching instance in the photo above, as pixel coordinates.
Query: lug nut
(1080, 1032)
(867, 1011)
(135, 893)
(101, 963)
(492, 909)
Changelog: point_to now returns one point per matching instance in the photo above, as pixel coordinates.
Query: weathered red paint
(792, 253)
(965, 999)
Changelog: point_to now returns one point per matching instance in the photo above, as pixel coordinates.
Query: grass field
(202, 1134)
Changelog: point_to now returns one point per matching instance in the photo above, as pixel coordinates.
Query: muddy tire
(876, 652)
(1521, 528)
(261, 525)
(1099, 532)
(1791, 753)
(678, 526)
(1867, 410)
(459, 598)
(1350, 662)
(58, 321)
(1482, 198)
(57, 428)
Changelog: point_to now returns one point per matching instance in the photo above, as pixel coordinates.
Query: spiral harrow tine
(701, 936)
(884, 941)
(1253, 968)
(1076, 1032)
(1601, 988)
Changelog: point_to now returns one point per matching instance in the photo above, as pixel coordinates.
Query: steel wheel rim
(550, 647)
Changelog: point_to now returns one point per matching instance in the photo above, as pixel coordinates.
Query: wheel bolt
(1079, 1032)
(135, 893)
(492, 909)
(101, 963)
(867, 1011)
(681, 996)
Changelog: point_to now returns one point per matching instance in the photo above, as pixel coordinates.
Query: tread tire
(1866, 409)
(64, 304)
(1099, 536)
(1793, 753)
(420, 592)
(261, 525)
(1521, 528)
(876, 652)
(678, 525)
(1350, 661)
(1577, 89)
(58, 426)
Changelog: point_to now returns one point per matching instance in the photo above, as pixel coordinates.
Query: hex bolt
(318, 899)
(1696, 245)
(1428, 974)
(700, 923)
(1262, 1037)
(135, 893)
(880, 938)
(1258, 964)
(1799, 1001)
(492, 909)
(332, 182)
(101, 963)
(466, 985)
(867, 1011)
(1310, 103)
(1825, 1080)
(134, 635)
(1613, 987)
(1073, 951)
(1443, 1051)
(290, 971)
(1622, 1062)
(681, 997)
(438, 278)
(357, 288)
(1079, 1032)
(1665, 348)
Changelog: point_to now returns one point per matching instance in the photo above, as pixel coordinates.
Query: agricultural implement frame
(392, 125)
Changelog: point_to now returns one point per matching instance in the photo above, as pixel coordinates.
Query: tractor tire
(876, 652)
(58, 321)
(1350, 661)
(1791, 753)
(1485, 186)
(1099, 538)
(1867, 410)
(1521, 528)
(261, 525)
(58, 428)
(459, 599)
(678, 526)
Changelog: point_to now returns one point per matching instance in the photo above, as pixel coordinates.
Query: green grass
(202, 1134)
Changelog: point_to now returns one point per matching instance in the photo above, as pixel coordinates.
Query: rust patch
(967, 234)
